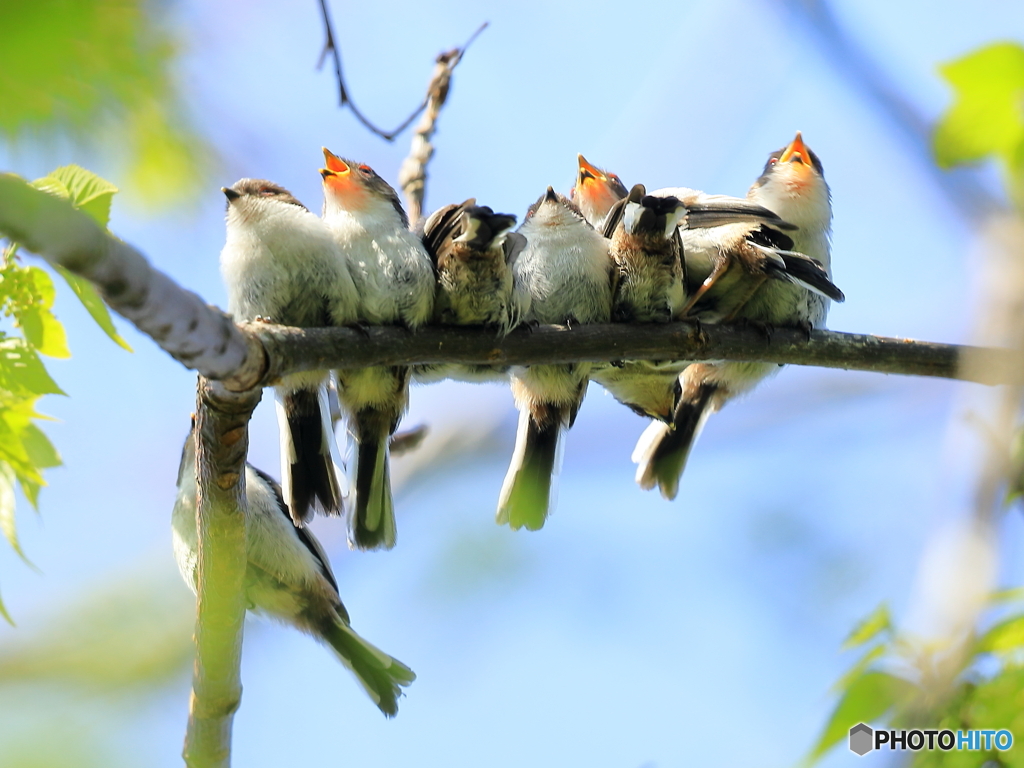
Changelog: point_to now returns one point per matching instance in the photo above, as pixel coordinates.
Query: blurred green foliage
(899, 683)
(26, 298)
(98, 71)
(70, 684)
(978, 682)
(986, 119)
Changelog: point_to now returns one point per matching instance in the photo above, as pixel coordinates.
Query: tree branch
(195, 334)
(412, 176)
(331, 47)
(293, 349)
(223, 441)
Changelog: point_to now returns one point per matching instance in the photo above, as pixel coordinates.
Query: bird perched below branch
(287, 577)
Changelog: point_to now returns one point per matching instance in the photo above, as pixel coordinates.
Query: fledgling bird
(473, 250)
(649, 287)
(566, 269)
(793, 186)
(650, 277)
(595, 192)
(287, 577)
(394, 280)
(281, 264)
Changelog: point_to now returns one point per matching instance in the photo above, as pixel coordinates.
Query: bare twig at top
(331, 47)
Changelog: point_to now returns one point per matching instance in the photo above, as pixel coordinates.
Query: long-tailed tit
(394, 280)
(281, 264)
(287, 577)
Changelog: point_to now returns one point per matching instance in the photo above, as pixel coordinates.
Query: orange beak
(586, 170)
(796, 151)
(335, 165)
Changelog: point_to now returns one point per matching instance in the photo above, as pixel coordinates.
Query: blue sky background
(630, 631)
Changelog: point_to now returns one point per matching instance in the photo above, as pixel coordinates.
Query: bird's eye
(268, 191)
(615, 178)
(366, 169)
(773, 161)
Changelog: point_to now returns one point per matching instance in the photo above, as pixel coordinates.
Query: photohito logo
(864, 739)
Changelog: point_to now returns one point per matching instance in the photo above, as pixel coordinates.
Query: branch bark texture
(223, 442)
(292, 349)
(197, 335)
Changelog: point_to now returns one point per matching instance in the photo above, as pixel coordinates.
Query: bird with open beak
(650, 284)
(287, 577)
(737, 264)
(473, 252)
(566, 269)
(394, 280)
(280, 264)
(595, 192)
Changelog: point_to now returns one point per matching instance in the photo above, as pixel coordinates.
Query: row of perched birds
(604, 254)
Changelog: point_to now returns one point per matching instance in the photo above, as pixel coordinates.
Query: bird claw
(698, 334)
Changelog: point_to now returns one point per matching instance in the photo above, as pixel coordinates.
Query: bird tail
(311, 472)
(382, 676)
(801, 270)
(531, 486)
(663, 450)
(372, 522)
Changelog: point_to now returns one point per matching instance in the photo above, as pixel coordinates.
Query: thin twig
(412, 176)
(344, 99)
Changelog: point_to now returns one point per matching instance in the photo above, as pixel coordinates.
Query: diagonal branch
(412, 176)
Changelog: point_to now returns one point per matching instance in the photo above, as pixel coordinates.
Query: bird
(567, 271)
(648, 287)
(650, 284)
(793, 186)
(287, 577)
(596, 192)
(280, 264)
(473, 249)
(394, 280)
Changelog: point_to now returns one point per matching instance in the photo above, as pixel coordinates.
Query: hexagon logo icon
(862, 739)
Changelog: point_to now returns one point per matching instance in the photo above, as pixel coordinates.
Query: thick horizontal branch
(292, 349)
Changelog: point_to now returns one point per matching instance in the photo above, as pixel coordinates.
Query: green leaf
(867, 699)
(22, 372)
(42, 330)
(987, 115)
(85, 190)
(858, 668)
(879, 620)
(5, 614)
(1007, 635)
(7, 524)
(94, 305)
(40, 450)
